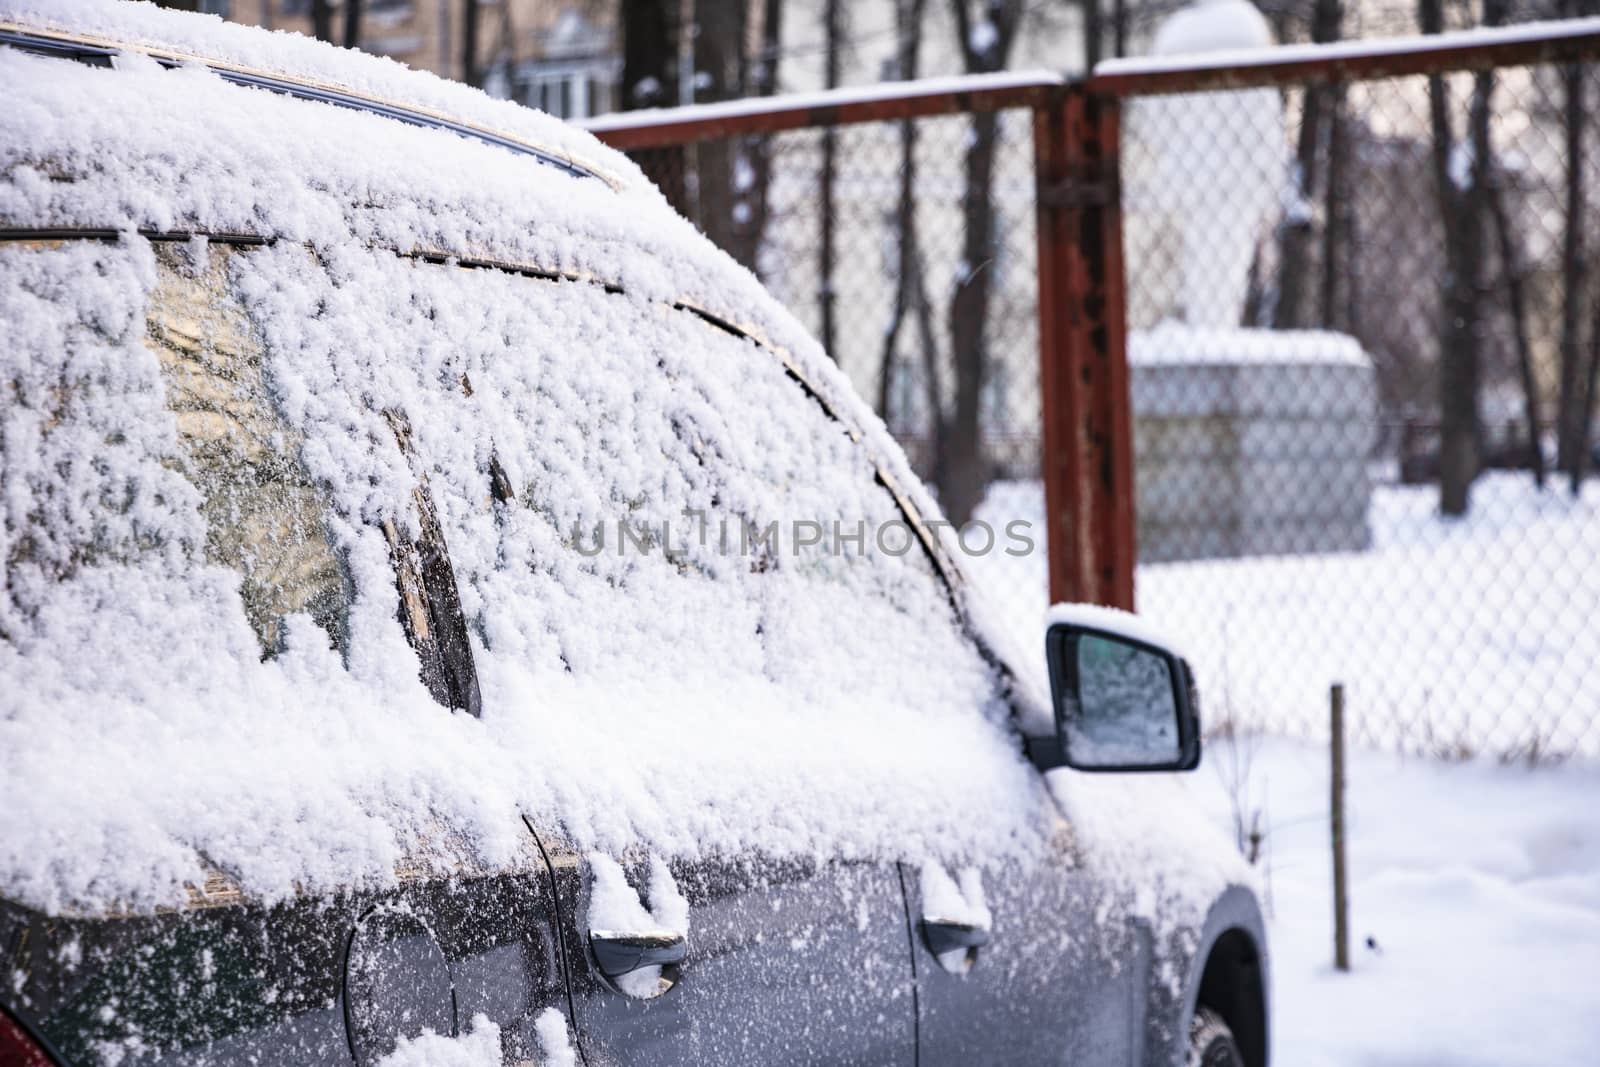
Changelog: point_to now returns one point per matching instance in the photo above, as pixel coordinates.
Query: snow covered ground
(1451, 638)
(1479, 884)
(1478, 881)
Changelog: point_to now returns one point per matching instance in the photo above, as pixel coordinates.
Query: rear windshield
(265, 519)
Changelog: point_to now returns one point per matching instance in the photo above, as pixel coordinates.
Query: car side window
(674, 496)
(265, 519)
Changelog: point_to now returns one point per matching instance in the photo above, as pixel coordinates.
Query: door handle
(953, 935)
(617, 953)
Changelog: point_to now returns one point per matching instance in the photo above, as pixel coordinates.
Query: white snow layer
(1113, 621)
(706, 701)
(1174, 344)
(1212, 26)
(686, 700)
(209, 37)
(555, 1046)
(1477, 36)
(820, 98)
(478, 1047)
(614, 906)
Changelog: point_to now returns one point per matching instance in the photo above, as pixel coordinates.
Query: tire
(1211, 1042)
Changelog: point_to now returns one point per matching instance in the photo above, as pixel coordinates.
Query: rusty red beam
(1086, 462)
(1575, 41)
(737, 118)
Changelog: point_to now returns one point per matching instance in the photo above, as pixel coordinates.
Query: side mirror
(1122, 702)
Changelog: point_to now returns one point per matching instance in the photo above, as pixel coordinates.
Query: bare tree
(985, 47)
(1514, 275)
(650, 79)
(832, 32)
(910, 296)
(1292, 307)
(1572, 398)
(1586, 420)
(750, 200)
(322, 20)
(1462, 193)
(471, 71)
(1094, 34)
(719, 64)
(352, 23)
(908, 31)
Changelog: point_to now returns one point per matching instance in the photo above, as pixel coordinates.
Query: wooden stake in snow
(1341, 899)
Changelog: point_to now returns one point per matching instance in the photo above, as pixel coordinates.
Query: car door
(784, 962)
(774, 958)
(1054, 978)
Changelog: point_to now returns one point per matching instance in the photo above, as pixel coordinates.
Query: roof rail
(101, 53)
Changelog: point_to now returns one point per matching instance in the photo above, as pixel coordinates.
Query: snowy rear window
(625, 488)
(265, 519)
(289, 501)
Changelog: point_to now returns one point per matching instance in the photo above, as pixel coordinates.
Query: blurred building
(560, 56)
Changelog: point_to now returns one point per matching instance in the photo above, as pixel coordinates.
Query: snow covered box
(1250, 442)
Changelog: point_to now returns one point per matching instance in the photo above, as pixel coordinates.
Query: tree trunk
(1094, 33)
(470, 72)
(908, 25)
(825, 256)
(1570, 414)
(750, 217)
(1517, 304)
(932, 377)
(352, 23)
(322, 20)
(966, 475)
(1461, 214)
(1580, 464)
(1291, 310)
(650, 79)
(1337, 208)
(719, 60)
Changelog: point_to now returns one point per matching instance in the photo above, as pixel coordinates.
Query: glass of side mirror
(1121, 703)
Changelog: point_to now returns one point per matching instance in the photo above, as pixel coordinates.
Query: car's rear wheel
(1211, 1043)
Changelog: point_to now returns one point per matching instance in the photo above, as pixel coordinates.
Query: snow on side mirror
(1123, 700)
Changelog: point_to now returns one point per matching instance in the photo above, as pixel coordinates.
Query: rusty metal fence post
(1087, 460)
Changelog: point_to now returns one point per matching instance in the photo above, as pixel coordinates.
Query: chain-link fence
(909, 248)
(1363, 341)
(1361, 328)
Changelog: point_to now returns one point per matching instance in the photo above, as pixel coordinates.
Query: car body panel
(1053, 984)
(242, 982)
(788, 961)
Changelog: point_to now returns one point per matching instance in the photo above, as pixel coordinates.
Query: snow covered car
(453, 615)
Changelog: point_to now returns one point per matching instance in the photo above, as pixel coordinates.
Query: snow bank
(1478, 886)
(1449, 636)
